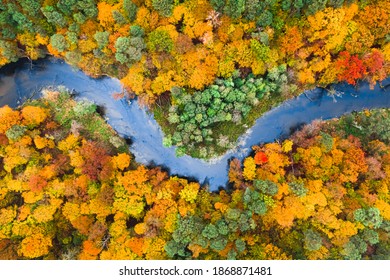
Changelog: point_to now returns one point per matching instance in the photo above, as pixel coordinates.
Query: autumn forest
(206, 69)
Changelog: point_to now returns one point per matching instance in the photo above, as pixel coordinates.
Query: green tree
(23, 23)
(31, 7)
(79, 18)
(335, 3)
(369, 217)
(218, 244)
(260, 51)
(66, 6)
(378, 125)
(266, 186)
(217, 4)
(286, 5)
(313, 240)
(130, 9)
(101, 38)
(73, 57)
(136, 31)
(187, 231)
(163, 7)
(210, 231)
(59, 42)
(15, 132)
(128, 51)
(88, 7)
(298, 5)
(5, 17)
(315, 6)
(327, 141)
(252, 9)
(8, 33)
(240, 245)
(74, 27)
(265, 19)
(298, 188)
(370, 236)
(159, 40)
(253, 201)
(53, 16)
(118, 17)
(9, 50)
(234, 8)
(72, 37)
(354, 249)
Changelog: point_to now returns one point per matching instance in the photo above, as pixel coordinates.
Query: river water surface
(22, 80)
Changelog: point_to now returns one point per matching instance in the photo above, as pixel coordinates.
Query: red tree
(374, 63)
(260, 158)
(350, 68)
(95, 158)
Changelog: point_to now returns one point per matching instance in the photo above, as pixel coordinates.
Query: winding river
(18, 81)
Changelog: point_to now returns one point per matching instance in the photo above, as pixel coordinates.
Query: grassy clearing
(80, 117)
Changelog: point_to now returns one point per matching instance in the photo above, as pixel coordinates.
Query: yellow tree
(199, 67)
(249, 171)
(35, 245)
(33, 115)
(8, 118)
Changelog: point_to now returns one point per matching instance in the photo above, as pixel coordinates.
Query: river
(19, 80)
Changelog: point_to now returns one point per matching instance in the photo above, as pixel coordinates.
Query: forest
(206, 69)
(71, 190)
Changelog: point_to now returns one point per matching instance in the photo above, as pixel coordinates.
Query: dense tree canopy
(157, 46)
(240, 35)
(69, 189)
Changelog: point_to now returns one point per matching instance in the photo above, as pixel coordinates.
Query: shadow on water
(101, 110)
(294, 129)
(144, 136)
(315, 95)
(128, 140)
